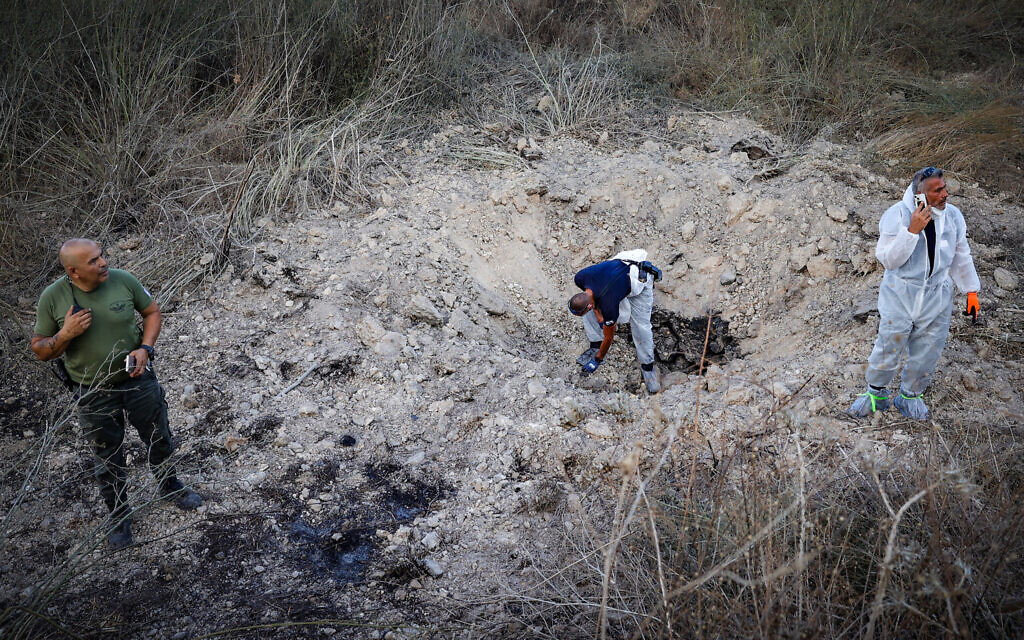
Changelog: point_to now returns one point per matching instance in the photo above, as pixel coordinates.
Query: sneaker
(184, 498)
(587, 356)
(120, 536)
(651, 380)
(868, 403)
(912, 407)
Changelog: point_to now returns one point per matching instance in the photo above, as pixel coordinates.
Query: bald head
(84, 263)
(76, 251)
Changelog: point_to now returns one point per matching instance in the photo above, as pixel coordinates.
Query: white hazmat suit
(914, 305)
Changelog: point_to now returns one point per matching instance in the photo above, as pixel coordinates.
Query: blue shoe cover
(868, 403)
(912, 407)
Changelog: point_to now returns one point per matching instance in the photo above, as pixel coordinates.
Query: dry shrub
(788, 536)
(146, 116)
(977, 142)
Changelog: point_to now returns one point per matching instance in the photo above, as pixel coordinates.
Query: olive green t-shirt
(98, 354)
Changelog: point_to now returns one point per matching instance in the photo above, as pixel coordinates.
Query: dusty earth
(442, 441)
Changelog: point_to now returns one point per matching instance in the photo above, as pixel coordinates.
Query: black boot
(183, 497)
(121, 535)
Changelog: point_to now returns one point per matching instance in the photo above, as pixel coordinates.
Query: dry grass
(976, 143)
(793, 536)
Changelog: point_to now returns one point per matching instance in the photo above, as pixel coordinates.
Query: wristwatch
(148, 349)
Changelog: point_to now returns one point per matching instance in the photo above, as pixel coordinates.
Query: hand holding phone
(921, 216)
(129, 363)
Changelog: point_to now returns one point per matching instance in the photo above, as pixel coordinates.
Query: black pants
(102, 414)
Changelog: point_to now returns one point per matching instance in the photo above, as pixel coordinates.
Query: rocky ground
(381, 406)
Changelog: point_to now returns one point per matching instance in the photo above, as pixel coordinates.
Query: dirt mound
(382, 407)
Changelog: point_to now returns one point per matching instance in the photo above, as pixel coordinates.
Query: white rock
(431, 541)
(724, 183)
(650, 146)
(416, 459)
(799, 256)
(370, 330)
(492, 304)
(821, 267)
(689, 230)
(737, 204)
(1005, 279)
(536, 388)
(728, 276)
(433, 567)
(597, 429)
(738, 394)
(309, 410)
(390, 344)
(420, 308)
(837, 213)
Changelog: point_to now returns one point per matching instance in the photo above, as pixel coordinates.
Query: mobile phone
(920, 199)
(129, 363)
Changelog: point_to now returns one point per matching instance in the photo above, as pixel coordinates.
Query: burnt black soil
(679, 341)
(343, 547)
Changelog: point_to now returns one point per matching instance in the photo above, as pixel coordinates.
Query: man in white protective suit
(922, 244)
(617, 291)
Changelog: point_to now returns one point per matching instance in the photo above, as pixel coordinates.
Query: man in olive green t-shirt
(88, 316)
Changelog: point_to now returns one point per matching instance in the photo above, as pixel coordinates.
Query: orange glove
(972, 305)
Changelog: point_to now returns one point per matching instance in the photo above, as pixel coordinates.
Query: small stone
(728, 276)
(603, 138)
(309, 410)
(536, 388)
(821, 267)
(206, 259)
(970, 380)
(650, 146)
(816, 404)
(837, 213)
(430, 541)
(689, 230)
(737, 204)
(724, 183)
(390, 344)
(597, 429)
(433, 567)
(865, 306)
(370, 330)
(738, 157)
(521, 144)
(1005, 279)
(416, 459)
(545, 103)
(738, 394)
(422, 309)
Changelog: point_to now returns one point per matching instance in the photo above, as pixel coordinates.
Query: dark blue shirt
(609, 280)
